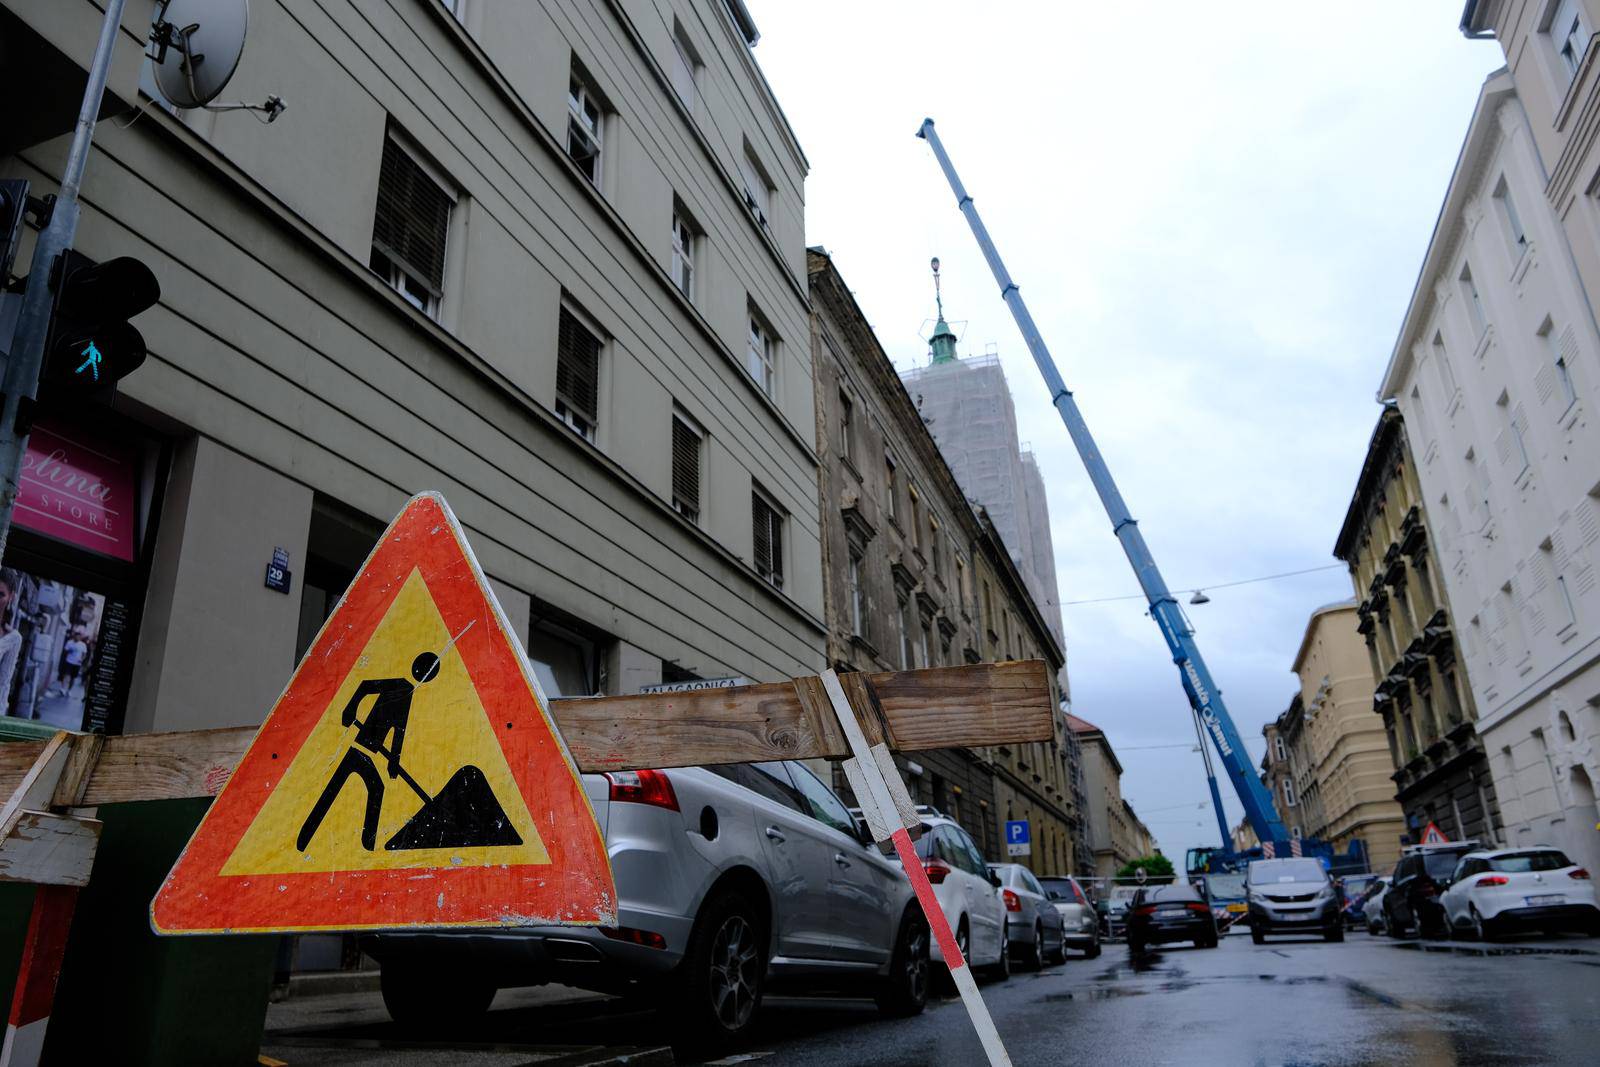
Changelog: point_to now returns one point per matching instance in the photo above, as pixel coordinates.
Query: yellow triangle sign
(409, 776)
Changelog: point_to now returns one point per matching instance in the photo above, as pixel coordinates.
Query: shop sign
(80, 489)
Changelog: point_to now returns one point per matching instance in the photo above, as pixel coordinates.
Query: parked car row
(734, 880)
(1464, 890)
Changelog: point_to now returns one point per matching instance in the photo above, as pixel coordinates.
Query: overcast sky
(1216, 221)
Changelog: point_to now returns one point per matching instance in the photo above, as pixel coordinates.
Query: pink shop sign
(79, 489)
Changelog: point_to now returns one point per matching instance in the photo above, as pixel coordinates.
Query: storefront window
(73, 578)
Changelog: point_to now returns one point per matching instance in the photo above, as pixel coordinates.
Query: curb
(1471, 949)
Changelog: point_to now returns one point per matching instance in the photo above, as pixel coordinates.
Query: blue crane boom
(1197, 683)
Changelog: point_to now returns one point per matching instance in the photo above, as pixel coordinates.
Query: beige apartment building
(1440, 771)
(1338, 756)
(546, 259)
(914, 576)
(1115, 834)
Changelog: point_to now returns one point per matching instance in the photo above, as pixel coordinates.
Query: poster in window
(61, 652)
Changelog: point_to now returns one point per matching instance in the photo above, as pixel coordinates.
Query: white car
(1536, 888)
(1373, 908)
(967, 892)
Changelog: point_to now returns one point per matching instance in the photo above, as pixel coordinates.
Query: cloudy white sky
(1216, 214)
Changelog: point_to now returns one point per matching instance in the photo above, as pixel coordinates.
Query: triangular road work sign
(409, 776)
(1434, 836)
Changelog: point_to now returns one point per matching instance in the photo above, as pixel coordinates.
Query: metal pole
(33, 320)
(1202, 691)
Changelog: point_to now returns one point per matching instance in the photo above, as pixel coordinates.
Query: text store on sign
(73, 580)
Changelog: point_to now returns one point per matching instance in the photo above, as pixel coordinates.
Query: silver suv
(728, 879)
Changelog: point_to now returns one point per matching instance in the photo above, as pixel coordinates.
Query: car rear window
(1440, 864)
(1526, 862)
(1165, 894)
(1062, 889)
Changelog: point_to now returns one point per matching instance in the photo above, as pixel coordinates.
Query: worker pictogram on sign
(1434, 836)
(409, 776)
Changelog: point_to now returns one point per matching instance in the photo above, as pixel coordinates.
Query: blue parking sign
(1019, 841)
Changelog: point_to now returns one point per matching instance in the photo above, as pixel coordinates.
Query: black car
(1166, 913)
(1412, 906)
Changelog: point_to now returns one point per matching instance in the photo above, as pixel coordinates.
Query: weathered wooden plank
(943, 707)
(47, 849)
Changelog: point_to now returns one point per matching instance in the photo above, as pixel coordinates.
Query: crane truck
(1205, 699)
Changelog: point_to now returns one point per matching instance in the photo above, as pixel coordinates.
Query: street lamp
(1199, 597)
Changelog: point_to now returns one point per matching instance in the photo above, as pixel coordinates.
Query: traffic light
(13, 206)
(91, 343)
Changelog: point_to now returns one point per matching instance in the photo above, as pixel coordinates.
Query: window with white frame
(760, 357)
(1441, 366)
(411, 226)
(847, 427)
(926, 644)
(1512, 417)
(1469, 291)
(1569, 36)
(901, 607)
(578, 374)
(1288, 793)
(585, 125)
(1511, 220)
(458, 8)
(685, 67)
(1558, 360)
(685, 237)
(757, 189)
(858, 607)
(767, 525)
(892, 487)
(1277, 744)
(688, 442)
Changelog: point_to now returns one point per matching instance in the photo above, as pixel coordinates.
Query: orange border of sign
(575, 888)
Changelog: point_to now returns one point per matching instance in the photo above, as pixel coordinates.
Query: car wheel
(723, 973)
(1093, 951)
(904, 990)
(1060, 954)
(1480, 930)
(419, 1002)
(1033, 958)
(1335, 934)
(1002, 969)
(1256, 936)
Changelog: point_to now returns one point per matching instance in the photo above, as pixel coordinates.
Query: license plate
(1547, 898)
(1238, 909)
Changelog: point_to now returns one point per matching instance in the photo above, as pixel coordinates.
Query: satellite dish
(198, 45)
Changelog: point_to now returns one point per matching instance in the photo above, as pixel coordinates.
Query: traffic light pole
(33, 321)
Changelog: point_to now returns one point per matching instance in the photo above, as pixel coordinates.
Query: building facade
(546, 260)
(915, 577)
(1114, 831)
(1337, 749)
(1496, 371)
(967, 406)
(1421, 693)
(1277, 776)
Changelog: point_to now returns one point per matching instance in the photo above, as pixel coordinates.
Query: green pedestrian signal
(92, 345)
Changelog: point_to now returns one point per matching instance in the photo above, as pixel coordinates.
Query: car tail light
(936, 870)
(1148, 909)
(1203, 909)
(1013, 902)
(647, 938)
(1579, 873)
(1490, 879)
(643, 787)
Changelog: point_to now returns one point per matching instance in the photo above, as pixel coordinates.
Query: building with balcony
(915, 577)
(1496, 373)
(1420, 689)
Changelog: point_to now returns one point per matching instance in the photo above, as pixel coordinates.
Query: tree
(1158, 870)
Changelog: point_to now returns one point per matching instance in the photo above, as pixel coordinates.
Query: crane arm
(1197, 683)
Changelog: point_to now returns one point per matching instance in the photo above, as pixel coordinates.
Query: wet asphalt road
(1366, 1001)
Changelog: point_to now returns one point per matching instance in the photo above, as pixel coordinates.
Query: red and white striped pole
(42, 953)
(888, 809)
